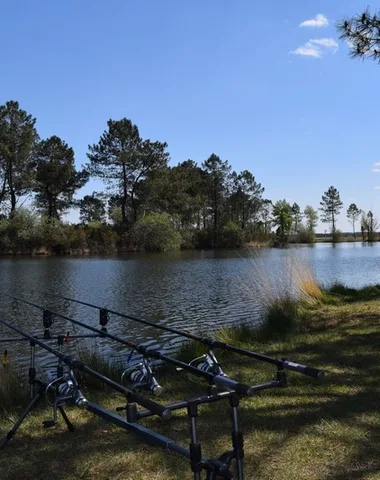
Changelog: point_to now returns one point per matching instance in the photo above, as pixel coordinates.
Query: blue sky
(241, 79)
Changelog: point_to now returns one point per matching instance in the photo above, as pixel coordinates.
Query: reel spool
(207, 363)
(141, 377)
(65, 389)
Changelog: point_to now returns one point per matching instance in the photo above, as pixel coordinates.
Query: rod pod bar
(219, 380)
(154, 407)
(212, 343)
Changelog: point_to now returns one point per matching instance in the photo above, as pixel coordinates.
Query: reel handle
(304, 369)
(230, 384)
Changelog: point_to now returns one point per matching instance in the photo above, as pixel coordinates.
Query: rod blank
(148, 352)
(212, 343)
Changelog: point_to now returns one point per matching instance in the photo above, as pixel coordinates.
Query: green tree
(246, 198)
(123, 160)
(353, 213)
(178, 190)
(297, 216)
(311, 216)
(266, 216)
(362, 33)
(331, 205)
(369, 226)
(18, 139)
(91, 208)
(218, 172)
(282, 219)
(56, 178)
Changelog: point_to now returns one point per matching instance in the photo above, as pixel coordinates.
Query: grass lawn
(310, 430)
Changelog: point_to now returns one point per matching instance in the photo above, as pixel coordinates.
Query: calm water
(196, 291)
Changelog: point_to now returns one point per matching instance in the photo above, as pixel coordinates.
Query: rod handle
(240, 388)
(309, 371)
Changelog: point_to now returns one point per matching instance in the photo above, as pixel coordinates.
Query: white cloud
(319, 21)
(376, 170)
(377, 188)
(315, 47)
(377, 164)
(325, 42)
(307, 50)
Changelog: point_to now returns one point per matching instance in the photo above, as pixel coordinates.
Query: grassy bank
(310, 430)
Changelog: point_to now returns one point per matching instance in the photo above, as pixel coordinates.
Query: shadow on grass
(350, 395)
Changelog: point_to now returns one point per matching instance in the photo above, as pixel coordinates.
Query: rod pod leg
(195, 446)
(21, 418)
(237, 437)
(32, 369)
(211, 475)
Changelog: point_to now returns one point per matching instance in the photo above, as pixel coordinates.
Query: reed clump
(92, 357)
(283, 291)
(13, 389)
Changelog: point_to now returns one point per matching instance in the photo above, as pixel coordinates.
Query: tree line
(146, 204)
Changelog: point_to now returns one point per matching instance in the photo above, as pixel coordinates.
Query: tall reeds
(13, 389)
(281, 288)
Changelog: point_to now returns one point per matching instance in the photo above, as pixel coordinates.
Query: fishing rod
(209, 342)
(68, 392)
(219, 379)
(79, 365)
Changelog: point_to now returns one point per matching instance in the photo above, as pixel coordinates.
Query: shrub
(54, 234)
(155, 233)
(336, 236)
(20, 232)
(188, 239)
(305, 236)
(204, 239)
(230, 236)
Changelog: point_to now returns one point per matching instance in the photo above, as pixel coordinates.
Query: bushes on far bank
(155, 233)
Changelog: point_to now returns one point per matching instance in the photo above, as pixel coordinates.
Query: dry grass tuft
(293, 277)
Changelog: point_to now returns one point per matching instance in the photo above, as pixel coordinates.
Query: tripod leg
(237, 437)
(70, 426)
(195, 446)
(22, 417)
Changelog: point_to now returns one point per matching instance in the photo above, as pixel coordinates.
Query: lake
(197, 291)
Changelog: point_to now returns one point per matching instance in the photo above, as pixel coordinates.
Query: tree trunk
(124, 197)
(11, 189)
(13, 201)
(134, 206)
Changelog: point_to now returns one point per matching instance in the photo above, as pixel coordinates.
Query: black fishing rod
(210, 342)
(220, 380)
(215, 468)
(78, 365)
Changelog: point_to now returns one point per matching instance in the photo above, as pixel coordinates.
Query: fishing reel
(208, 363)
(141, 377)
(64, 390)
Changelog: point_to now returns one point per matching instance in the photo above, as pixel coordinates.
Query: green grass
(308, 431)
(348, 294)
